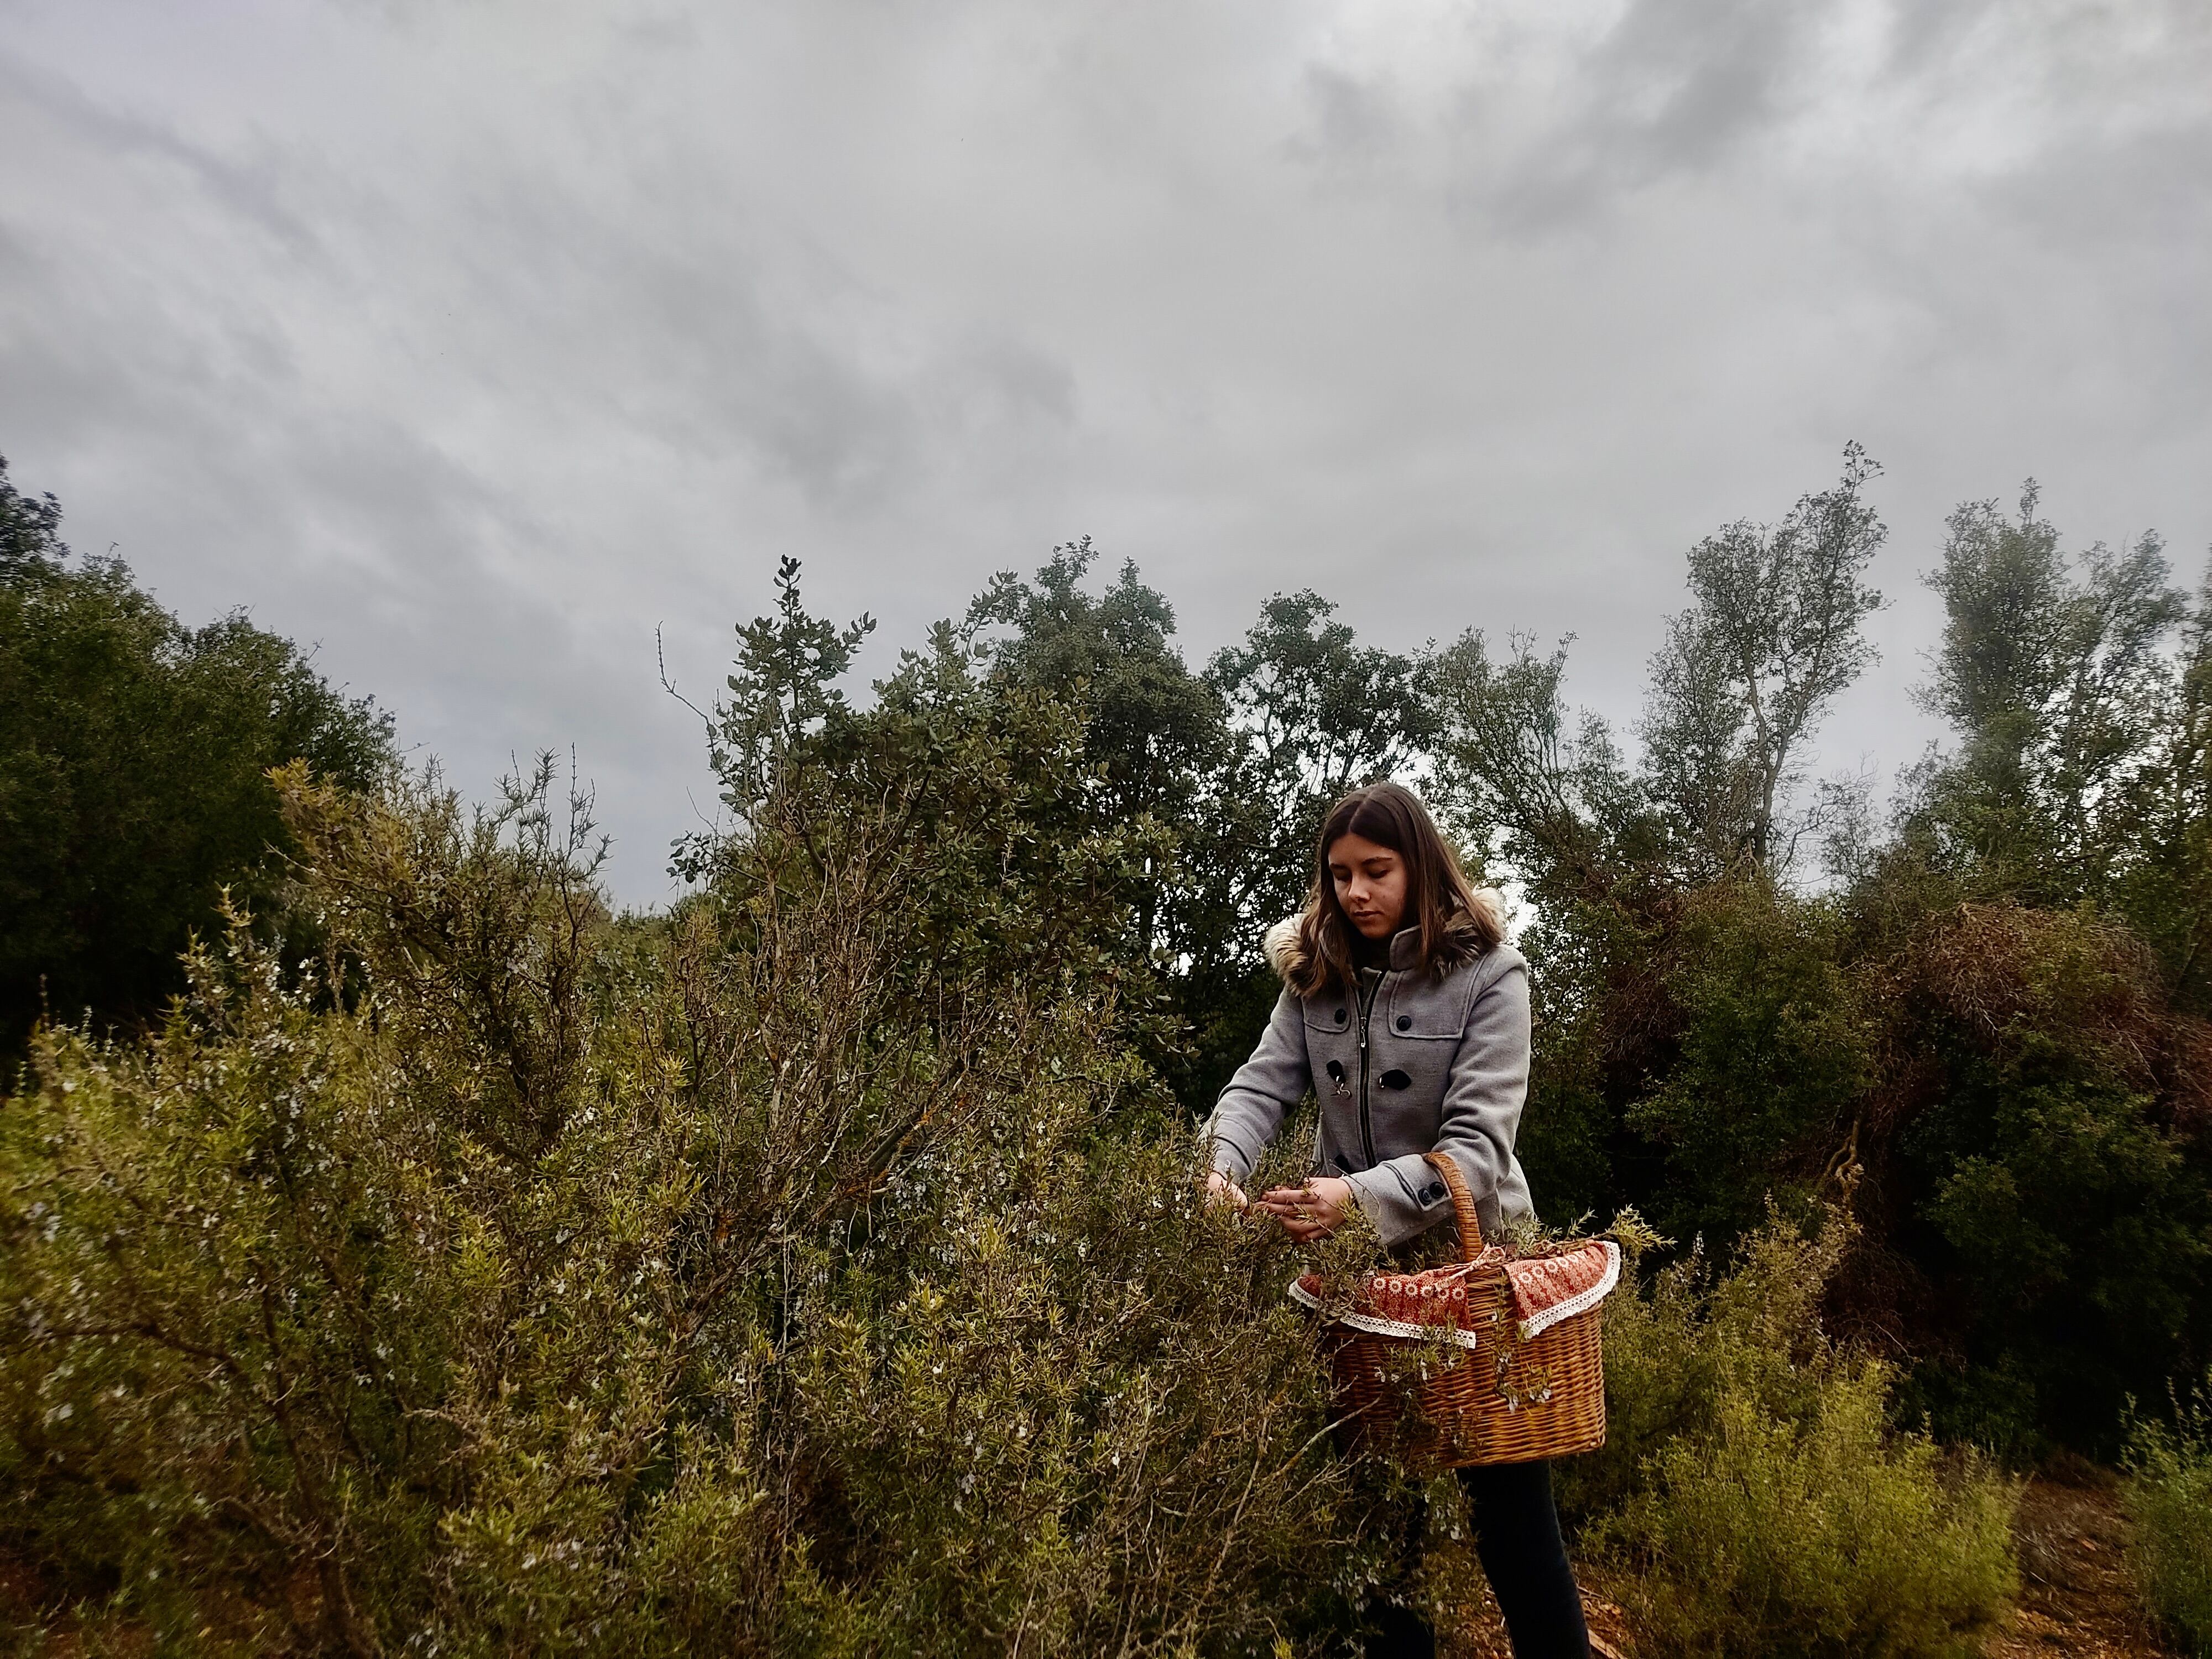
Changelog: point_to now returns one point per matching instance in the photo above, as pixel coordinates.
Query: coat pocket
(1330, 1013)
(1421, 1007)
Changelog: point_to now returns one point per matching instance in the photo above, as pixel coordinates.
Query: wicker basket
(1434, 1364)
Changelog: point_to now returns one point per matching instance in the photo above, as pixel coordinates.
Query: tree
(783, 687)
(1769, 1052)
(2162, 881)
(1227, 773)
(1155, 730)
(30, 532)
(1772, 637)
(1305, 713)
(982, 781)
(2053, 1187)
(1539, 785)
(134, 752)
(1317, 714)
(2053, 672)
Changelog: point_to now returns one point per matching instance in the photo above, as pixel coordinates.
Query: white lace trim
(1581, 1301)
(1378, 1327)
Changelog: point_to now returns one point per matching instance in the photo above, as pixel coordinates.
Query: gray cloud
(476, 343)
(1674, 87)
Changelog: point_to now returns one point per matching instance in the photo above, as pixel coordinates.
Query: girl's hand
(1220, 1189)
(1313, 1211)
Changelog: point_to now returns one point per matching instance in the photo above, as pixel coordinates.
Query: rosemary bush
(2169, 1499)
(513, 1278)
(1753, 1489)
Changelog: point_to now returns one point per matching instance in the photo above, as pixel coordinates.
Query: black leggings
(1517, 1535)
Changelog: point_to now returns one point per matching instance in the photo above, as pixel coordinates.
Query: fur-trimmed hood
(1281, 942)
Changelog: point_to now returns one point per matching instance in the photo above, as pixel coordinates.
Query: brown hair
(1456, 924)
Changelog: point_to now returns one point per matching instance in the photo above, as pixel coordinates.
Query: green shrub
(2170, 1501)
(1682, 1343)
(747, 1283)
(1753, 1490)
(1771, 1051)
(1829, 1537)
(2059, 1199)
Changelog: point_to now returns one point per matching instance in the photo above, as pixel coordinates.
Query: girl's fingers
(1300, 1210)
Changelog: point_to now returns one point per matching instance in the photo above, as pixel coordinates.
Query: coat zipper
(1369, 994)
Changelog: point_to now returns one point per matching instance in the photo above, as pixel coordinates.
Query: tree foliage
(2053, 673)
(818, 1266)
(1774, 633)
(765, 1279)
(133, 750)
(1988, 1018)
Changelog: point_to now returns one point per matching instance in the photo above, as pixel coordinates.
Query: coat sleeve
(1251, 1109)
(1484, 1093)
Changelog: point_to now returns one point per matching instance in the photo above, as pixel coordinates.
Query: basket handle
(1470, 1230)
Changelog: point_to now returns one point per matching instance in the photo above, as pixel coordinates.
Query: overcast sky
(472, 340)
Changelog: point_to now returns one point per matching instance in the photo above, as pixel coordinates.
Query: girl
(1408, 1014)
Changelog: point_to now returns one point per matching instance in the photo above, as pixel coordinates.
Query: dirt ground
(2076, 1596)
(1480, 1634)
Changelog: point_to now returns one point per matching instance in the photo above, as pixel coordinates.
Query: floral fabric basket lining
(1492, 1360)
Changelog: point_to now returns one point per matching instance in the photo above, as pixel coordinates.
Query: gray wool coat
(1441, 1064)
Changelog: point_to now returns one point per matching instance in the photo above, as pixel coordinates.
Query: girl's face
(1370, 884)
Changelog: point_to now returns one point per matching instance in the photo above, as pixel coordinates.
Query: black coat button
(1395, 1078)
(1433, 1193)
(1339, 1017)
(1404, 1022)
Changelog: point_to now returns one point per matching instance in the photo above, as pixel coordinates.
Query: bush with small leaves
(818, 1271)
(1752, 1488)
(2169, 1499)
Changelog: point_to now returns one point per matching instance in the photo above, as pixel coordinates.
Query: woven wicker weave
(1434, 1362)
